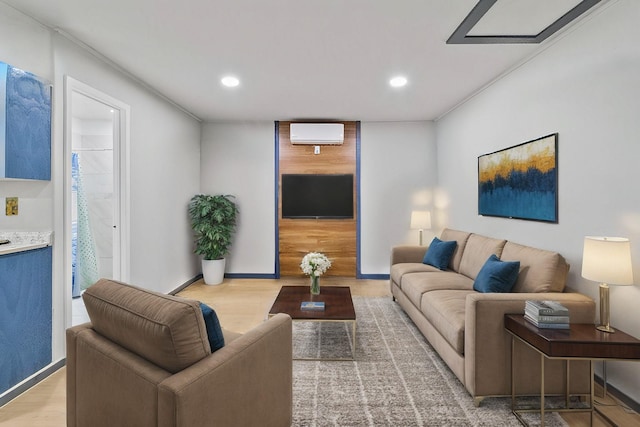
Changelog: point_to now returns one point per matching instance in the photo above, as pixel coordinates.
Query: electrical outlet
(11, 206)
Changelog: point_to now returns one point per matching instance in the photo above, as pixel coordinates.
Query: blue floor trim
(374, 276)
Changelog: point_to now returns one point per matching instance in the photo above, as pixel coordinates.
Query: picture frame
(521, 181)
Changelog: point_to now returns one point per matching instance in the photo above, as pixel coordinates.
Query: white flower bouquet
(315, 264)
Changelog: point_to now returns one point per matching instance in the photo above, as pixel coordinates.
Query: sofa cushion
(416, 284)
(540, 270)
(444, 309)
(461, 238)
(476, 252)
(166, 330)
(399, 270)
(214, 331)
(439, 253)
(496, 275)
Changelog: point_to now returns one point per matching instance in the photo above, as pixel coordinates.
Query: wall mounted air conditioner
(316, 133)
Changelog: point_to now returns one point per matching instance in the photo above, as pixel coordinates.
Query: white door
(96, 194)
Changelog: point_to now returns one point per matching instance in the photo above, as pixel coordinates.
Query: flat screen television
(317, 196)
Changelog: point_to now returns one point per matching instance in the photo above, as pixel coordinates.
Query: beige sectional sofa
(466, 327)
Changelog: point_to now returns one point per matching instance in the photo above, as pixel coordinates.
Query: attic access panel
(462, 34)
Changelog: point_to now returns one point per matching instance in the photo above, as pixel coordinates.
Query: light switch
(11, 206)
(316, 149)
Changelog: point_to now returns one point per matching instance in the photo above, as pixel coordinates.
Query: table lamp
(420, 220)
(607, 260)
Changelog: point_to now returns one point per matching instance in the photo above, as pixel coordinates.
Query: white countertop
(25, 240)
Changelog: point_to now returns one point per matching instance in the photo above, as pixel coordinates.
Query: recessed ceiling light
(398, 81)
(230, 81)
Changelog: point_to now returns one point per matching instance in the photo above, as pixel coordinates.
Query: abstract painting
(521, 181)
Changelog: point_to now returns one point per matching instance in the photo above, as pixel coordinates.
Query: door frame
(121, 168)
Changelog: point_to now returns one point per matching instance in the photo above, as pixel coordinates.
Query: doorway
(96, 232)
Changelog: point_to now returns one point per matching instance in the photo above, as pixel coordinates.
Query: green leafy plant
(213, 220)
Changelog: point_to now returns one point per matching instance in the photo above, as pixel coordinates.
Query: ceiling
(303, 59)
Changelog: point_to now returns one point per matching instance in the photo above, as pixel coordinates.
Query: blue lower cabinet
(25, 315)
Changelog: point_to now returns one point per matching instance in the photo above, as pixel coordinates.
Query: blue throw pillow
(497, 276)
(214, 331)
(439, 253)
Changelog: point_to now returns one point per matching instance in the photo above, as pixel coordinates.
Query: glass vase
(315, 285)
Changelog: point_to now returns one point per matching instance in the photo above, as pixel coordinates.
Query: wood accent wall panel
(336, 238)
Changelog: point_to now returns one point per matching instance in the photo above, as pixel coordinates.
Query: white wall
(398, 174)
(27, 45)
(239, 159)
(585, 87)
(164, 154)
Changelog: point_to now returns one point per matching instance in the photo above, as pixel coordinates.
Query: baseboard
(186, 284)
(374, 276)
(249, 276)
(26, 385)
(613, 391)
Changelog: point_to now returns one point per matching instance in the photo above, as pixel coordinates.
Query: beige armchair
(145, 360)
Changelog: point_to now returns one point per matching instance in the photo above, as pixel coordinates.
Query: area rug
(397, 378)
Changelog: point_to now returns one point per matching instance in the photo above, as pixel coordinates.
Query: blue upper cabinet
(25, 125)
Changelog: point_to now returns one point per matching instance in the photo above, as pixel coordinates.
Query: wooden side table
(581, 342)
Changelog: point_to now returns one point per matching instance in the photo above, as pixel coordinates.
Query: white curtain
(85, 262)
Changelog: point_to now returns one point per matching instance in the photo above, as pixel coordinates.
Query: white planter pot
(213, 271)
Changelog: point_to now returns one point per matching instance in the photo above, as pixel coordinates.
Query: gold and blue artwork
(521, 181)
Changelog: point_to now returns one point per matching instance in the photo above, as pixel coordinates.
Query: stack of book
(547, 314)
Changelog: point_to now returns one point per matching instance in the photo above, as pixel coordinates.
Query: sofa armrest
(247, 382)
(401, 254)
(487, 344)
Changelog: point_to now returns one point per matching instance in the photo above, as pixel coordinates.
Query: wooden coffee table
(338, 307)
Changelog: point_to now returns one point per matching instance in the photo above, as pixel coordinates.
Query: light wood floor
(240, 304)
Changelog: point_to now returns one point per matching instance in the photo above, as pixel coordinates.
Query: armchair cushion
(166, 330)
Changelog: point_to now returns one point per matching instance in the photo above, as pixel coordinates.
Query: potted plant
(213, 219)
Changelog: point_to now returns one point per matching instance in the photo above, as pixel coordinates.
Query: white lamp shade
(607, 260)
(420, 220)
